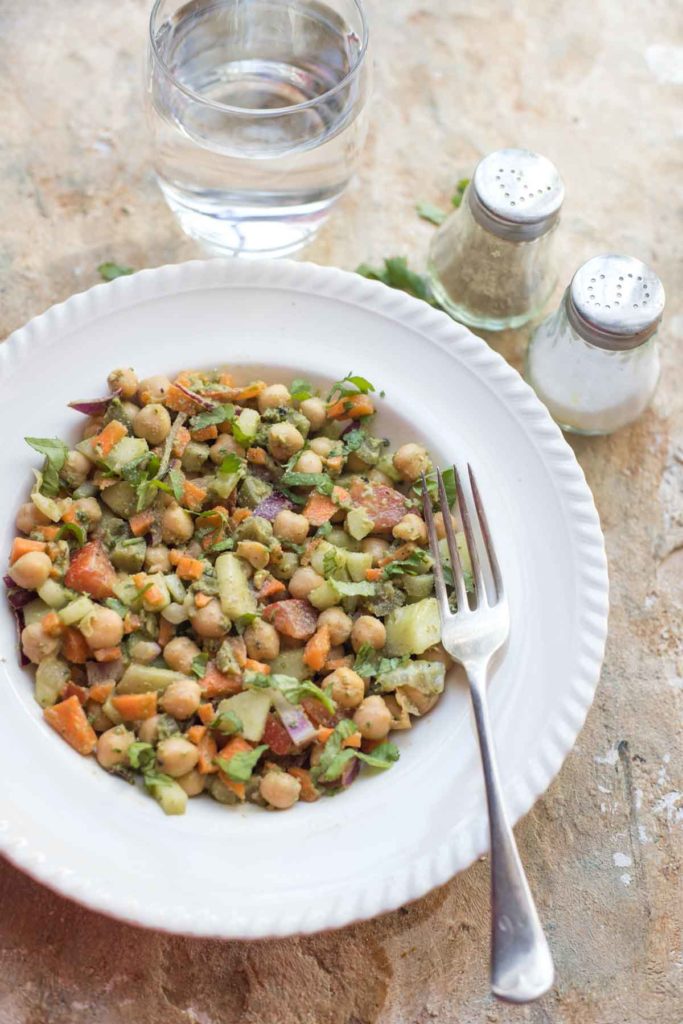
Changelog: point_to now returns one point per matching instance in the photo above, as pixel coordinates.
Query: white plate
(390, 838)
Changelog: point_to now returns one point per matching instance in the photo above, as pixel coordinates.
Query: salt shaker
(594, 362)
(490, 262)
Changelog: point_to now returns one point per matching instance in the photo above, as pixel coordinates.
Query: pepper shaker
(594, 362)
(490, 262)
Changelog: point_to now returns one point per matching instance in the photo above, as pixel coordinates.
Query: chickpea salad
(228, 589)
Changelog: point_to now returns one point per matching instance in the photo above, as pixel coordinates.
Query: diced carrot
(308, 791)
(139, 579)
(189, 568)
(108, 654)
(111, 435)
(335, 663)
(100, 691)
(135, 707)
(398, 555)
(74, 646)
(219, 684)
(354, 740)
(177, 400)
(351, 407)
(320, 508)
(141, 522)
(235, 745)
(201, 600)
(256, 456)
(154, 598)
(317, 649)
(22, 546)
(174, 557)
(239, 649)
(206, 713)
(73, 690)
(334, 463)
(69, 515)
(91, 572)
(69, 720)
(193, 495)
(131, 623)
(257, 666)
(166, 632)
(52, 624)
(207, 750)
(226, 379)
(180, 442)
(240, 514)
(209, 433)
(271, 588)
(252, 390)
(372, 575)
(47, 532)
(323, 734)
(195, 733)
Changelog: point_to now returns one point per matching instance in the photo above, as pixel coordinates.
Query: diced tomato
(218, 684)
(292, 618)
(316, 711)
(91, 572)
(277, 737)
(385, 505)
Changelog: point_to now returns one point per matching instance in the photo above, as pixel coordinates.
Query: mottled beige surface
(592, 85)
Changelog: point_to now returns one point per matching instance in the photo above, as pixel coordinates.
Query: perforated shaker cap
(615, 302)
(516, 194)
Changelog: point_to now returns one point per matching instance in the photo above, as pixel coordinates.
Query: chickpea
(368, 630)
(193, 783)
(97, 716)
(176, 525)
(441, 526)
(36, 644)
(148, 730)
(348, 688)
(176, 756)
(411, 527)
(179, 654)
(284, 440)
(274, 397)
(112, 746)
(338, 623)
(411, 460)
(378, 477)
(102, 627)
(128, 410)
(303, 582)
(286, 566)
(254, 552)
(31, 570)
(210, 621)
(156, 558)
(373, 719)
(93, 425)
(181, 699)
(124, 380)
(291, 526)
(88, 511)
(322, 446)
(280, 789)
(76, 468)
(315, 412)
(309, 462)
(225, 444)
(153, 423)
(145, 652)
(153, 389)
(29, 517)
(262, 640)
(375, 546)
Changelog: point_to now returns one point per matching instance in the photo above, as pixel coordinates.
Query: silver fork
(521, 964)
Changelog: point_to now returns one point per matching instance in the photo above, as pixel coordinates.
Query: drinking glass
(257, 110)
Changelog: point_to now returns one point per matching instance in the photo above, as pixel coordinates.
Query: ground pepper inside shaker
(594, 362)
(490, 262)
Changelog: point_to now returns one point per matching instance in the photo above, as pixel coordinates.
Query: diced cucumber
(358, 523)
(291, 663)
(126, 591)
(385, 464)
(124, 451)
(418, 587)
(328, 560)
(223, 485)
(175, 614)
(357, 563)
(159, 581)
(341, 539)
(463, 551)
(245, 427)
(235, 594)
(324, 596)
(122, 498)
(413, 628)
(52, 675)
(53, 508)
(111, 712)
(143, 678)
(54, 594)
(254, 528)
(253, 491)
(426, 676)
(175, 587)
(129, 555)
(76, 610)
(170, 796)
(194, 456)
(251, 707)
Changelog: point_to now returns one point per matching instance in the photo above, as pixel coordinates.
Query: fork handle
(521, 964)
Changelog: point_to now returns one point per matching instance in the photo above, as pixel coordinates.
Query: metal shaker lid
(516, 194)
(615, 302)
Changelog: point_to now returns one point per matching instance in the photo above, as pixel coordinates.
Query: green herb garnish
(300, 389)
(322, 482)
(370, 663)
(227, 722)
(351, 384)
(416, 564)
(199, 665)
(397, 274)
(432, 213)
(55, 452)
(292, 689)
(212, 417)
(231, 464)
(141, 755)
(240, 766)
(110, 271)
(78, 533)
(456, 198)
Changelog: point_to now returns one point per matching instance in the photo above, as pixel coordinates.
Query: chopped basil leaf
(199, 665)
(353, 440)
(110, 271)
(292, 689)
(300, 389)
(346, 589)
(382, 756)
(351, 384)
(141, 755)
(336, 766)
(240, 766)
(227, 722)
(177, 482)
(448, 476)
(432, 213)
(370, 663)
(322, 482)
(117, 606)
(231, 464)
(222, 545)
(79, 534)
(55, 452)
(212, 417)
(416, 564)
(332, 748)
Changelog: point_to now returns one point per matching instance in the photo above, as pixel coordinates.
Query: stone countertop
(597, 87)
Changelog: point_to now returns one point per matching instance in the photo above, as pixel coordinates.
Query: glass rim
(260, 112)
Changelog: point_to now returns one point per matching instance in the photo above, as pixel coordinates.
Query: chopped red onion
(17, 596)
(103, 671)
(94, 406)
(20, 623)
(350, 772)
(353, 425)
(206, 403)
(270, 506)
(299, 727)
